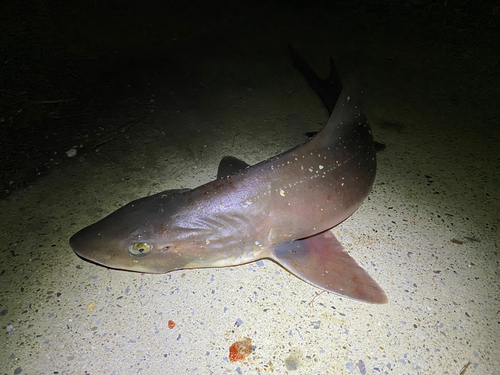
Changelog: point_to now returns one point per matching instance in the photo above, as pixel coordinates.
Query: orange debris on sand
(240, 349)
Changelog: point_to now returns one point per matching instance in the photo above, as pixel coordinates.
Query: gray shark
(280, 209)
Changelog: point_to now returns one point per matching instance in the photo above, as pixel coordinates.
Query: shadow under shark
(280, 209)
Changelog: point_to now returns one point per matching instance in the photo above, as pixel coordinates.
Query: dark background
(70, 69)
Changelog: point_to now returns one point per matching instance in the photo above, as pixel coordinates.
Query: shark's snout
(82, 246)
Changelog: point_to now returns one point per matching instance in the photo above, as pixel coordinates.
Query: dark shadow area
(72, 73)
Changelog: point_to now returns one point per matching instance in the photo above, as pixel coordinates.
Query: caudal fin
(327, 89)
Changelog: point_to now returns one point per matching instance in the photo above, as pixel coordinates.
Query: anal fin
(322, 261)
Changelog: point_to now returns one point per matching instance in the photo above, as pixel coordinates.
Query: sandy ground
(428, 232)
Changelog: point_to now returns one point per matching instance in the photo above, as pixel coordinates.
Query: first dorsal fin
(230, 165)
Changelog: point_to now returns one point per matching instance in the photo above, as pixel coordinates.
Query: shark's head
(138, 237)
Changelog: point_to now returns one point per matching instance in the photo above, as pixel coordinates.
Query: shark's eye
(140, 249)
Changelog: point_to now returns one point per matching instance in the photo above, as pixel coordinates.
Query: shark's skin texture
(280, 209)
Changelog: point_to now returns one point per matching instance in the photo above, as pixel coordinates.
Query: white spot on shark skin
(321, 167)
(247, 203)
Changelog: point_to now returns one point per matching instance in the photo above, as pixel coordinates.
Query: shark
(282, 209)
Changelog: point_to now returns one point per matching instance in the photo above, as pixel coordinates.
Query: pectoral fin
(322, 261)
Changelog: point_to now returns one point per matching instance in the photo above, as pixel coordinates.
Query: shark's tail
(327, 89)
